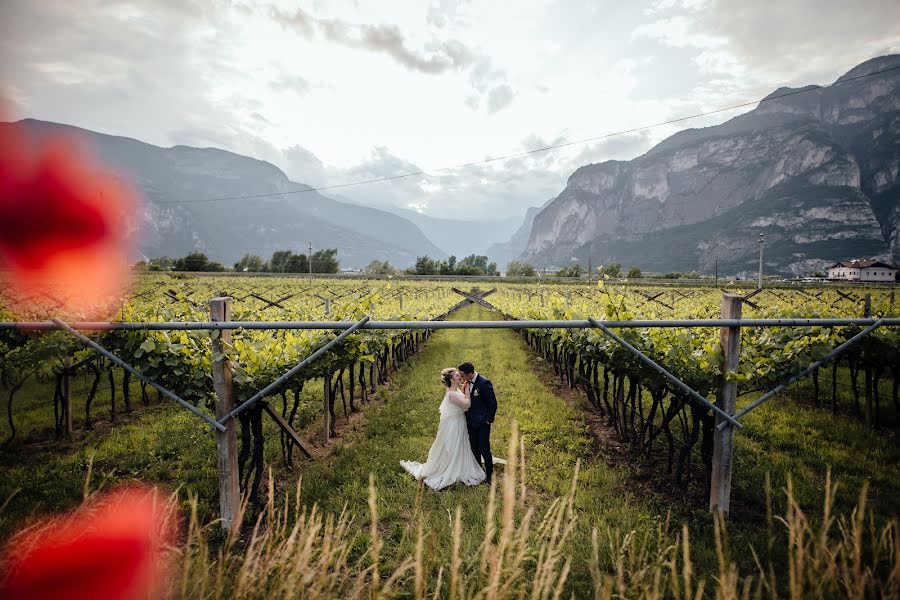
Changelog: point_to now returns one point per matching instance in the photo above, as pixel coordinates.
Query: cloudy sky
(338, 91)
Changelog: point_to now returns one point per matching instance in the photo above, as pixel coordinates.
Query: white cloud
(499, 98)
(437, 57)
(663, 6)
(339, 92)
(678, 32)
(291, 83)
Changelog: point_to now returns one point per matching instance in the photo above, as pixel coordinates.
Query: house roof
(862, 263)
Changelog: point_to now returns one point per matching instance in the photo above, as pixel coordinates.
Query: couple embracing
(464, 433)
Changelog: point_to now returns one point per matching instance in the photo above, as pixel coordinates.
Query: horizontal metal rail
(334, 325)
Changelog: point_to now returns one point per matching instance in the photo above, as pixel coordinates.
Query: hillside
(177, 219)
(817, 173)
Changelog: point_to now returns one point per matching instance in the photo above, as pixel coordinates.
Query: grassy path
(556, 436)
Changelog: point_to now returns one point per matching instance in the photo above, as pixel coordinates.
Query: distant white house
(862, 269)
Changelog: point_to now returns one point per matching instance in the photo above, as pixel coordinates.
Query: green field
(637, 516)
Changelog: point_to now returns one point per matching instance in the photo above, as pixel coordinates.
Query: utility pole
(761, 240)
(717, 273)
(310, 260)
(590, 262)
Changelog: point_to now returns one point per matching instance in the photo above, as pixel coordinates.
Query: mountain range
(815, 170)
(227, 205)
(459, 236)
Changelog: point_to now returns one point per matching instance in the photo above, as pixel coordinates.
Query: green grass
(160, 443)
(785, 437)
(555, 435)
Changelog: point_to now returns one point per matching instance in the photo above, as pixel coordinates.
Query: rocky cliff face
(506, 251)
(815, 171)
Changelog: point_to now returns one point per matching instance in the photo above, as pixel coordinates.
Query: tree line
(282, 261)
(523, 269)
(425, 265)
(326, 261)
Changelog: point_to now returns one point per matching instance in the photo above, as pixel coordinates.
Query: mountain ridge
(839, 143)
(226, 204)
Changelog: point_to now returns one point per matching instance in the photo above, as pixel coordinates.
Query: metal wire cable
(307, 189)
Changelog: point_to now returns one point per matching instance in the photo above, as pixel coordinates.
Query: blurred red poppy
(111, 548)
(63, 223)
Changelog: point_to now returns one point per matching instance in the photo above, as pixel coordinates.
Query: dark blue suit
(478, 419)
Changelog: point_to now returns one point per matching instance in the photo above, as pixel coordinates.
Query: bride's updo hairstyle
(447, 376)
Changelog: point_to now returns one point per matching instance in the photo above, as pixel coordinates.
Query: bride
(450, 458)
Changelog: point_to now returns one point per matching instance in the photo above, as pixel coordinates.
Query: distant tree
(285, 261)
(379, 267)
(573, 271)
(633, 273)
(447, 267)
(325, 261)
(250, 263)
(163, 263)
(425, 265)
(517, 268)
(197, 261)
(476, 265)
(468, 270)
(280, 262)
(297, 263)
(611, 270)
(470, 265)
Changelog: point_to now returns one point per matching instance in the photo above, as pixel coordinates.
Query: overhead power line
(533, 150)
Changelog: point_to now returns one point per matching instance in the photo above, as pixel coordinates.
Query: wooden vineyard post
(401, 301)
(327, 397)
(726, 399)
(67, 396)
(226, 441)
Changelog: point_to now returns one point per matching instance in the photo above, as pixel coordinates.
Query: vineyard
(646, 410)
(55, 387)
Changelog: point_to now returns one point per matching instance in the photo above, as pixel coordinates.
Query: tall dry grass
(294, 551)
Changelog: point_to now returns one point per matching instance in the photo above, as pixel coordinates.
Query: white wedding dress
(450, 458)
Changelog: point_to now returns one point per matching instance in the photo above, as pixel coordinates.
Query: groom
(480, 416)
